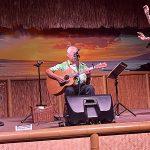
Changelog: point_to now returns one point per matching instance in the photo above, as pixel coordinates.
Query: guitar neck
(82, 72)
(98, 66)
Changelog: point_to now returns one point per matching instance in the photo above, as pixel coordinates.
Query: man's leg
(69, 91)
(87, 90)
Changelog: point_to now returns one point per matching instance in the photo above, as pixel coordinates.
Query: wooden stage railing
(92, 131)
(18, 93)
(19, 88)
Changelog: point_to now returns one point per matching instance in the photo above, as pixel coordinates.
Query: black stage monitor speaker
(89, 109)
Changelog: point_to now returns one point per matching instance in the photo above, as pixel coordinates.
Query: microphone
(76, 55)
(38, 63)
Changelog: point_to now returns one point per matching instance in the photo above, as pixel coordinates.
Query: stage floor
(10, 123)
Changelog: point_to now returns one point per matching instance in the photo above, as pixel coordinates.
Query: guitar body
(54, 87)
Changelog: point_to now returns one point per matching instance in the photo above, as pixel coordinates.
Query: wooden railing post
(94, 141)
(148, 89)
(105, 84)
(9, 92)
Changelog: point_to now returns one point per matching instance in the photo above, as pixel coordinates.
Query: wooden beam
(9, 106)
(75, 131)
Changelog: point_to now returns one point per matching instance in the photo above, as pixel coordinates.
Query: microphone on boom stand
(38, 63)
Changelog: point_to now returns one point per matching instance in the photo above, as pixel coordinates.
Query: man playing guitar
(71, 76)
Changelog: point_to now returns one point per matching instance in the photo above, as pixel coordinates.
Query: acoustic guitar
(56, 88)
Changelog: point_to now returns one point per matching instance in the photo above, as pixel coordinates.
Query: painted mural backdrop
(92, 48)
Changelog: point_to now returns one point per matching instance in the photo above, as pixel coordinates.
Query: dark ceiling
(66, 14)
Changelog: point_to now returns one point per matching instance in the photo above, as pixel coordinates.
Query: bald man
(80, 86)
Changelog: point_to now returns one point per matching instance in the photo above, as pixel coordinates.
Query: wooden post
(61, 104)
(9, 91)
(94, 138)
(148, 89)
(105, 84)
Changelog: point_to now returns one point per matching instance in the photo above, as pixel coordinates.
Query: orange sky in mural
(52, 48)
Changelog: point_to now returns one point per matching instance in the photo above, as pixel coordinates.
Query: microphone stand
(38, 64)
(79, 86)
(76, 56)
(40, 105)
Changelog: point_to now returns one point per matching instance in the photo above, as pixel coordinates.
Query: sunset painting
(93, 48)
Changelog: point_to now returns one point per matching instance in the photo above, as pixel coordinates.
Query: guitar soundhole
(62, 84)
(66, 77)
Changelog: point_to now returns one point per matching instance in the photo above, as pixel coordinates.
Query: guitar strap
(70, 66)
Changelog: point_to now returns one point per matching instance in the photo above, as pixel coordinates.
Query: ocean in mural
(93, 48)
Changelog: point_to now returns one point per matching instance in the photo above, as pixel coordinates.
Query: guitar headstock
(100, 65)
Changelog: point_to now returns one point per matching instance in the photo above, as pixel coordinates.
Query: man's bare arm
(143, 37)
(146, 11)
(55, 76)
(140, 34)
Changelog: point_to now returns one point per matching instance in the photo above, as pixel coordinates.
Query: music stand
(114, 75)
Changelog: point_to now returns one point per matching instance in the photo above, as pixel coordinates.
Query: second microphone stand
(38, 64)
(40, 105)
